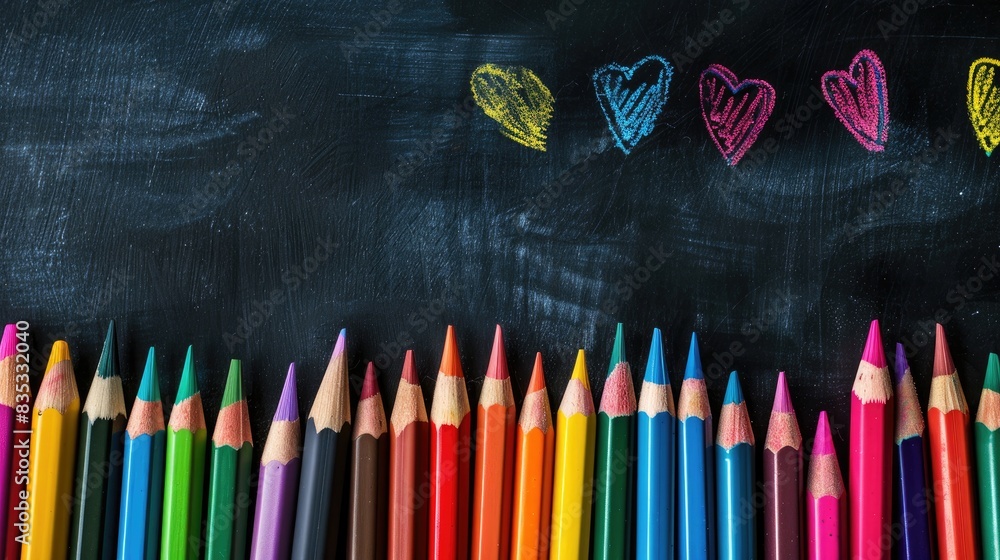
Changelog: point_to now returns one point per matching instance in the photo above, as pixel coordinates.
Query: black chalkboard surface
(249, 177)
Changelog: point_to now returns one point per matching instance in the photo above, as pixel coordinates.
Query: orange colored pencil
(534, 460)
(951, 458)
(408, 476)
(494, 475)
(448, 537)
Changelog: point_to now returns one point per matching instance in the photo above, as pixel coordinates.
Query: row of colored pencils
(632, 477)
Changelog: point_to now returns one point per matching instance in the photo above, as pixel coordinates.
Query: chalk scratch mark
(631, 98)
(735, 112)
(984, 102)
(860, 99)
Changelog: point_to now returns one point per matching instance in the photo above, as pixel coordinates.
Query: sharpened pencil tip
(874, 352)
(233, 392)
(537, 382)
(149, 386)
(693, 370)
(580, 369)
(782, 396)
(59, 353)
(370, 387)
(618, 350)
(288, 405)
(450, 364)
(409, 370)
(189, 380)
(498, 358)
(823, 443)
(656, 370)
(107, 365)
(8, 345)
(734, 392)
(341, 344)
(992, 381)
(902, 365)
(943, 365)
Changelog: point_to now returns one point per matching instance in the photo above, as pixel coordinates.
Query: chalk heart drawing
(860, 99)
(735, 112)
(984, 102)
(633, 97)
(517, 99)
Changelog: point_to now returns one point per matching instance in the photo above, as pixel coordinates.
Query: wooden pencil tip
(450, 364)
(823, 443)
(370, 386)
(992, 381)
(618, 350)
(656, 369)
(498, 358)
(580, 369)
(341, 345)
(734, 392)
(59, 353)
(8, 345)
(288, 405)
(693, 370)
(537, 382)
(409, 370)
(149, 386)
(233, 393)
(943, 364)
(874, 352)
(782, 396)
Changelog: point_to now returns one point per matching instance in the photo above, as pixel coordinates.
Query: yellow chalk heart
(517, 99)
(984, 102)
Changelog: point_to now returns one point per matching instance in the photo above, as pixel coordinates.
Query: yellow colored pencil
(576, 428)
(53, 456)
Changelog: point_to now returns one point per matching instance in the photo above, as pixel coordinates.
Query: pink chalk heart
(735, 112)
(860, 99)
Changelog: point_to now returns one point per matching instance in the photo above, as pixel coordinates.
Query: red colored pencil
(408, 477)
(450, 453)
(951, 458)
(872, 434)
(826, 500)
(494, 474)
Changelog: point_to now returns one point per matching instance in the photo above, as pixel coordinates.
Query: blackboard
(249, 177)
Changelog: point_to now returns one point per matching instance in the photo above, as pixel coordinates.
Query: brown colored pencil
(783, 483)
(409, 478)
(366, 521)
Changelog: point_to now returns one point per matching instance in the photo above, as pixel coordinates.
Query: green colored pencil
(988, 459)
(94, 526)
(184, 475)
(229, 490)
(614, 459)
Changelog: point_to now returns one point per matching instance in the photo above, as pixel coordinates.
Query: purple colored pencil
(278, 483)
(8, 400)
(913, 507)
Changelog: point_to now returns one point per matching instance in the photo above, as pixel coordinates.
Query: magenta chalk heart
(860, 99)
(734, 111)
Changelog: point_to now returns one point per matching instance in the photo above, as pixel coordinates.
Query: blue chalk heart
(632, 97)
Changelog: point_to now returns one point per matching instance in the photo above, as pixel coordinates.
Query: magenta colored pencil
(278, 483)
(8, 400)
(826, 501)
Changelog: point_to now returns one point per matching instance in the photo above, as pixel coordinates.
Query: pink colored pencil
(826, 502)
(872, 433)
(8, 400)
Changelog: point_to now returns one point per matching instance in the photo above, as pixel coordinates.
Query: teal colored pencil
(734, 458)
(695, 486)
(142, 471)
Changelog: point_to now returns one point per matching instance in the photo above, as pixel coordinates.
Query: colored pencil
(17, 525)
(734, 459)
(278, 479)
(783, 480)
(913, 505)
(324, 462)
(94, 527)
(573, 478)
(229, 479)
(826, 499)
(615, 457)
(8, 402)
(142, 471)
(988, 458)
(951, 458)
(871, 451)
(656, 473)
(493, 483)
(409, 478)
(52, 458)
(368, 502)
(184, 472)
(695, 485)
(534, 461)
(450, 451)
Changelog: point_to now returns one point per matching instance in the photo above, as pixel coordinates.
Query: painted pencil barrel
(408, 508)
(227, 521)
(914, 507)
(613, 487)
(277, 490)
(953, 475)
(6, 462)
(572, 487)
(783, 489)
(988, 461)
(533, 494)
(324, 470)
(655, 490)
(183, 484)
(50, 480)
(693, 521)
(736, 529)
(142, 494)
(448, 537)
(826, 521)
(871, 487)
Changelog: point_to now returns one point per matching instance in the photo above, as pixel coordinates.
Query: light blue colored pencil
(696, 501)
(142, 471)
(655, 486)
(734, 458)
